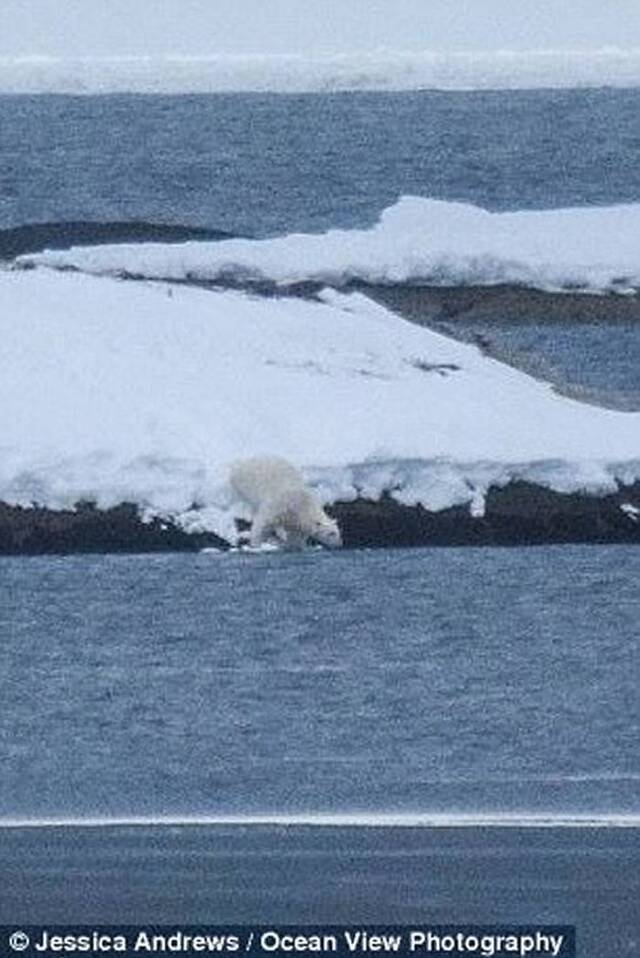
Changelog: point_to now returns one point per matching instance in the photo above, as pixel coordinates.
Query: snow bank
(419, 241)
(378, 70)
(144, 392)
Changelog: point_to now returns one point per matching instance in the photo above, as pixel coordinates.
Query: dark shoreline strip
(41, 531)
(518, 514)
(425, 305)
(36, 237)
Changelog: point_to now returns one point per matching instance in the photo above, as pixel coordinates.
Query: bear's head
(326, 532)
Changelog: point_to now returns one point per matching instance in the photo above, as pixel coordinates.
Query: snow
(417, 240)
(376, 70)
(116, 390)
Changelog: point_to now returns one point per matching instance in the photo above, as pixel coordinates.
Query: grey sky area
(129, 27)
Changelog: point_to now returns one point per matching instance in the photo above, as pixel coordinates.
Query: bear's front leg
(261, 529)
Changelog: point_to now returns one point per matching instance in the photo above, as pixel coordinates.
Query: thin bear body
(283, 506)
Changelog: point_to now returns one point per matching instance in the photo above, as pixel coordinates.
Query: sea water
(265, 164)
(447, 681)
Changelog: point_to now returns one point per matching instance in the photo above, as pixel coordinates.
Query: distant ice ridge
(145, 392)
(366, 819)
(416, 241)
(319, 73)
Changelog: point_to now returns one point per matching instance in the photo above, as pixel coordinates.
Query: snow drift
(126, 391)
(416, 241)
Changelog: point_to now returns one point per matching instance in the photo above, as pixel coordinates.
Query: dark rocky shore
(518, 514)
(35, 237)
(427, 305)
(39, 531)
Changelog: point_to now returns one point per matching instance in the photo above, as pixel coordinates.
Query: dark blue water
(419, 680)
(589, 879)
(264, 164)
(596, 362)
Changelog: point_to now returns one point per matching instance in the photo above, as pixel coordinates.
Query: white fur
(283, 505)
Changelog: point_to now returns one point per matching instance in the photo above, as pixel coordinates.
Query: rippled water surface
(418, 680)
(273, 163)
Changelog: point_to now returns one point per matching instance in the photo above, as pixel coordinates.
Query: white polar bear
(283, 506)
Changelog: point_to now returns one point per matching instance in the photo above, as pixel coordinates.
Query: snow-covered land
(377, 70)
(144, 392)
(418, 240)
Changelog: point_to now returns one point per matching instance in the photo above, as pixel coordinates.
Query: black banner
(454, 941)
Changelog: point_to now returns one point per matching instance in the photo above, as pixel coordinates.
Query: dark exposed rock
(35, 530)
(35, 237)
(518, 514)
(426, 305)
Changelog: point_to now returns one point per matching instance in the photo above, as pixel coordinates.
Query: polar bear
(283, 505)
